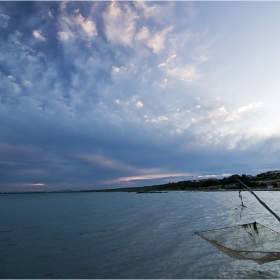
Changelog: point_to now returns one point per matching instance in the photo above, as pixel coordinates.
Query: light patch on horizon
(37, 184)
(150, 177)
(194, 176)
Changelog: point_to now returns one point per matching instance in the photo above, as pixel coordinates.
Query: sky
(100, 95)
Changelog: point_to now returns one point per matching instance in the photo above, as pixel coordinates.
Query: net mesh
(251, 241)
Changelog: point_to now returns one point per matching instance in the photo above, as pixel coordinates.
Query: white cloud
(68, 21)
(220, 115)
(222, 111)
(67, 27)
(201, 58)
(157, 41)
(50, 14)
(18, 33)
(121, 27)
(88, 25)
(74, 26)
(37, 35)
(146, 10)
(167, 60)
(116, 69)
(162, 118)
(119, 24)
(27, 83)
(63, 35)
(187, 73)
(156, 120)
(249, 107)
(63, 5)
(32, 58)
(139, 104)
(143, 34)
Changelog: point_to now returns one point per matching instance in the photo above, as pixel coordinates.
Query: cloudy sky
(118, 94)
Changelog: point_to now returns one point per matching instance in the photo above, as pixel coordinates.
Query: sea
(119, 235)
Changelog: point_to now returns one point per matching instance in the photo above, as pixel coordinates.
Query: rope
(240, 196)
(243, 207)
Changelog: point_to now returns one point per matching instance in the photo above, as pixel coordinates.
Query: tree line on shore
(260, 181)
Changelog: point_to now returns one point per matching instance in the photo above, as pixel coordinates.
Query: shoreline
(142, 192)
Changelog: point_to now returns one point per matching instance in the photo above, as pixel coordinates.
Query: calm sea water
(125, 235)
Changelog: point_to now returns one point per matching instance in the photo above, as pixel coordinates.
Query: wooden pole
(260, 201)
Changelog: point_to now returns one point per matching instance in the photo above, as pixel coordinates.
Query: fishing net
(251, 241)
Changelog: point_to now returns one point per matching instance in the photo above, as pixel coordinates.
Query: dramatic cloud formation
(115, 94)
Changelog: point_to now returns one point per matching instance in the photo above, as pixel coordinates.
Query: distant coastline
(268, 181)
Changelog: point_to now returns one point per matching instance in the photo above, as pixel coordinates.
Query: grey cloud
(61, 124)
(4, 20)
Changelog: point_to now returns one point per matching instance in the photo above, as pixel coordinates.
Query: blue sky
(100, 95)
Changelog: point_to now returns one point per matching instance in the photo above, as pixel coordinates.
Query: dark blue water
(125, 235)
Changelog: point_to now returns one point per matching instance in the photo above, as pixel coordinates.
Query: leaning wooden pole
(260, 201)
